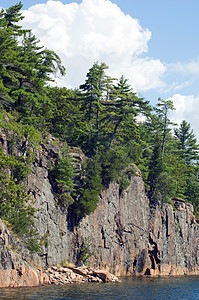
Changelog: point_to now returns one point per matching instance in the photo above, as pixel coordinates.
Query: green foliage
(44, 240)
(165, 186)
(98, 172)
(124, 109)
(25, 136)
(84, 253)
(65, 199)
(15, 205)
(32, 242)
(155, 169)
(123, 182)
(172, 204)
(112, 162)
(125, 179)
(101, 117)
(25, 69)
(162, 121)
(192, 191)
(64, 170)
(65, 113)
(64, 173)
(91, 185)
(187, 143)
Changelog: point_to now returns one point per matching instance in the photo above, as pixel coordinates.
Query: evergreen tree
(162, 110)
(95, 91)
(15, 205)
(155, 169)
(87, 196)
(25, 69)
(187, 143)
(65, 118)
(64, 174)
(123, 109)
(192, 191)
(12, 16)
(8, 50)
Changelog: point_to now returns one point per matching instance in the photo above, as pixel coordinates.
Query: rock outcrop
(65, 275)
(15, 259)
(126, 235)
(16, 269)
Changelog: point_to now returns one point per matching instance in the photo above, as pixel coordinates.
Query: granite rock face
(117, 231)
(174, 240)
(15, 268)
(126, 235)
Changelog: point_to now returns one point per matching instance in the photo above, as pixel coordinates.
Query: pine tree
(94, 92)
(9, 32)
(155, 168)
(163, 123)
(64, 173)
(125, 107)
(187, 143)
(25, 69)
(91, 186)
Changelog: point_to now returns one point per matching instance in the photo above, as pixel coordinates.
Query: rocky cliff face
(125, 235)
(128, 237)
(15, 262)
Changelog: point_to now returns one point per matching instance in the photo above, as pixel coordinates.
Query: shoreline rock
(68, 275)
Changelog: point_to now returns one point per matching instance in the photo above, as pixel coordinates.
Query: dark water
(130, 288)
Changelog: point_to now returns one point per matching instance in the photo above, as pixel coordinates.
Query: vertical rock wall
(128, 237)
(117, 231)
(174, 235)
(15, 270)
(125, 234)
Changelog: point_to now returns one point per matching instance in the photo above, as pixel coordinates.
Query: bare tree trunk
(114, 132)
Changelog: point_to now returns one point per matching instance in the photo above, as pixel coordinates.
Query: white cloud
(187, 108)
(95, 30)
(146, 73)
(191, 67)
(176, 86)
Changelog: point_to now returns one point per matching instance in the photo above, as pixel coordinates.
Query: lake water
(184, 287)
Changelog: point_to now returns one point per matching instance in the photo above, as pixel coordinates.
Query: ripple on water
(185, 287)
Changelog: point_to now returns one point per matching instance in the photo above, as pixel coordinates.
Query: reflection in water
(130, 288)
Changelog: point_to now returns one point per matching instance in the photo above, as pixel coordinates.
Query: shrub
(91, 186)
(64, 173)
(15, 204)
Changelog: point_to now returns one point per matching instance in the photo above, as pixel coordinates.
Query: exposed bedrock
(125, 235)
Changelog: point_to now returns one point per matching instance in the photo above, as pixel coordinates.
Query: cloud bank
(191, 68)
(187, 108)
(95, 30)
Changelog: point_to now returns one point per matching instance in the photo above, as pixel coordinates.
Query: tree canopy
(101, 117)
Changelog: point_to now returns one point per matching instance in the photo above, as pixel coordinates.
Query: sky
(153, 43)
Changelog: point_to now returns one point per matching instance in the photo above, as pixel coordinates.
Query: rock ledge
(68, 275)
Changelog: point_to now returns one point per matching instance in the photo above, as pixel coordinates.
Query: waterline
(183, 287)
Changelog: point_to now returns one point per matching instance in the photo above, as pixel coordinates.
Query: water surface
(184, 287)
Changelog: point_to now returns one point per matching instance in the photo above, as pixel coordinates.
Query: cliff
(129, 237)
(126, 235)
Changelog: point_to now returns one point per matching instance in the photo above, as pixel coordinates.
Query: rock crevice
(125, 235)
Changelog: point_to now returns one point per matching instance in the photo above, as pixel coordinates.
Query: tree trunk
(114, 132)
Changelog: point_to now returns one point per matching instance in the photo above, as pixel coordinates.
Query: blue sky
(154, 43)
